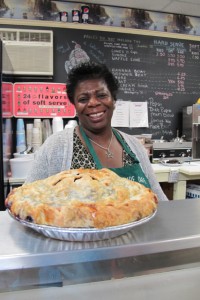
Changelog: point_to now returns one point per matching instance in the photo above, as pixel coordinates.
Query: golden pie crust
(82, 198)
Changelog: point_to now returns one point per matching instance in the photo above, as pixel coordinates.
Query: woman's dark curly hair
(87, 71)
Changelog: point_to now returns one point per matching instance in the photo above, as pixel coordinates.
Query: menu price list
(42, 100)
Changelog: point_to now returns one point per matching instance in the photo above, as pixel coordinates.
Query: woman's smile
(96, 116)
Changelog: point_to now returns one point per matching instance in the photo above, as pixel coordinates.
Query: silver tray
(82, 234)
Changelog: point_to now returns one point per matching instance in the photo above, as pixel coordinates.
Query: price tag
(173, 176)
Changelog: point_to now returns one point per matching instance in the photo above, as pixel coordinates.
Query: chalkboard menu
(164, 71)
(159, 68)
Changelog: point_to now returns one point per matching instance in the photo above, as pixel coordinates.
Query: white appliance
(27, 52)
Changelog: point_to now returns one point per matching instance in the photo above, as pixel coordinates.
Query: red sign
(43, 100)
(7, 99)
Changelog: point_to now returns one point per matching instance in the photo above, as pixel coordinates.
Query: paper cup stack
(37, 134)
(20, 136)
(58, 124)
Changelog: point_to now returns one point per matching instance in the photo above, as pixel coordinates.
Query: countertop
(190, 168)
(175, 226)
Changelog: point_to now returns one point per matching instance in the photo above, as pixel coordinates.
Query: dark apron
(132, 172)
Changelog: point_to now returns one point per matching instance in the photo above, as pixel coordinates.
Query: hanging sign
(44, 100)
(7, 99)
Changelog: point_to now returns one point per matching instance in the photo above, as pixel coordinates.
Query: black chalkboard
(164, 71)
(160, 68)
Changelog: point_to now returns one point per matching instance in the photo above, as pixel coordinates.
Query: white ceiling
(185, 7)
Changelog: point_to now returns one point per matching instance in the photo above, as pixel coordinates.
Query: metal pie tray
(82, 234)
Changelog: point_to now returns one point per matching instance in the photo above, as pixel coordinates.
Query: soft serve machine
(191, 128)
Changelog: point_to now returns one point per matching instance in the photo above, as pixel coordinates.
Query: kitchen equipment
(191, 127)
(167, 150)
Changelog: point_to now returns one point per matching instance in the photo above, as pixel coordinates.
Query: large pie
(82, 198)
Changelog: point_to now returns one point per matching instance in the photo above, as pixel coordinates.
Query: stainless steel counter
(175, 226)
(170, 240)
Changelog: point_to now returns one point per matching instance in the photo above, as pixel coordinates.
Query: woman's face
(94, 104)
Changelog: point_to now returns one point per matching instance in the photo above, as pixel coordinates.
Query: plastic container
(20, 167)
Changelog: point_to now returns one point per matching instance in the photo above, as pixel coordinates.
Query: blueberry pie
(82, 198)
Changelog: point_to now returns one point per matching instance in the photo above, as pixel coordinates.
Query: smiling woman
(94, 144)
